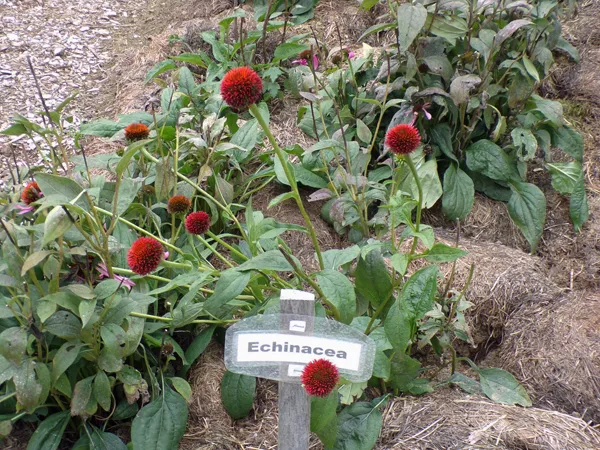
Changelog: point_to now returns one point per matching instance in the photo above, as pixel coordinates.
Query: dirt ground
(567, 263)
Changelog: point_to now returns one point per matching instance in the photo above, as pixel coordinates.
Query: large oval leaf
(48, 434)
(160, 425)
(459, 193)
(527, 209)
(339, 292)
(237, 394)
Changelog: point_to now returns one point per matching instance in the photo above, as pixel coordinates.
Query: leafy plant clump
(118, 269)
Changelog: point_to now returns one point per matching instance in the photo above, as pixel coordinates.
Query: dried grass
(451, 420)
(555, 350)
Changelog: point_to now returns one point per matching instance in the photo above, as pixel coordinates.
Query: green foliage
(237, 393)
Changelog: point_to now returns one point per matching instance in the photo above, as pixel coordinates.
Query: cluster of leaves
(467, 72)
(78, 345)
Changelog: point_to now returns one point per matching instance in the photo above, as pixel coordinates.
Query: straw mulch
(555, 351)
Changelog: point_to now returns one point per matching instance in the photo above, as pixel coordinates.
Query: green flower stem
(141, 230)
(176, 265)
(284, 162)
(226, 245)
(413, 170)
(168, 319)
(214, 251)
(121, 271)
(202, 192)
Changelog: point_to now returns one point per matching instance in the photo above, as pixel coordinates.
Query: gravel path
(70, 45)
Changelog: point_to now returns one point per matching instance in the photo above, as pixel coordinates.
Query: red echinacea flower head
(136, 132)
(197, 222)
(403, 139)
(241, 87)
(145, 255)
(178, 204)
(31, 193)
(319, 377)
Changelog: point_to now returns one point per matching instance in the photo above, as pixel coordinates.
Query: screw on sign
(296, 348)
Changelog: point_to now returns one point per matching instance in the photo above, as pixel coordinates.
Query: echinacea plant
(320, 377)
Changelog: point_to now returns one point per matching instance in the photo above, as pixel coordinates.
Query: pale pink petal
(302, 62)
(315, 62)
(351, 55)
(24, 209)
(427, 114)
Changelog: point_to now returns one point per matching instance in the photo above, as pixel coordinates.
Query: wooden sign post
(278, 346)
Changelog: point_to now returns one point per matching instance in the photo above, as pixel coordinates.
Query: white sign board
(258, 346)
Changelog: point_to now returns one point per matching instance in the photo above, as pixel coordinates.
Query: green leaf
(372, 278)
(578, 207)
(399, 327)
(527, 208)
(187, 83)
(100, 127)
(368, 4)
(16, 129)
(33, 260)
(443, 253)
(13, 344)
(289, 49)
(349, 392)
(501, 387)
(333, 259)
(161, 67)
(359, 425)
(247, 135)
(363, 132)
(27, 387)
(101, 390)
(230, 284)
(552, 110)
(509, 29)
(467, 384)
(447, 27)
(100, 440)
(430, 183)
(339, 292)
(237, 394)
(65, 188)
(195, 349)
(459, 193)
(131, 151)
(419, 292)
(160, 425)
(270, 260)
(404, 372)
(490, 160)
(48, 434)
(323, 418)
(400, 262)
(568, 140)
(57, 223)
(376, 29)
(165, 178)
(64, 358)
(199, 59)
(566, 46)
(63, 324)
(565, 176)
(411, 19)
(442, 137)
(183, 387)
(525, 142)
(280, 198)
(81, 396)
(531, 70)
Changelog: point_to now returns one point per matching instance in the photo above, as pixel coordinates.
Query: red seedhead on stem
(136, 132)
(145, 255)
(319, 377)
(178, 204)
(241, 87)
(197, 222)
(403, 139)
(31, 193)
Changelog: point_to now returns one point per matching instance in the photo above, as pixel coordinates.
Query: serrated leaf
(501, 387)
(237, 394)
(160, 425)
(527, 209)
